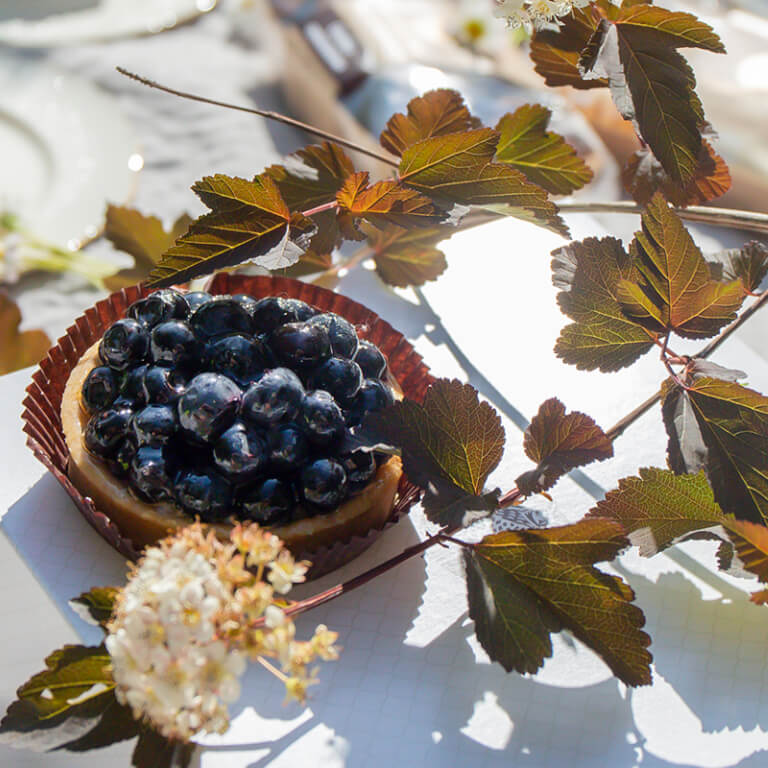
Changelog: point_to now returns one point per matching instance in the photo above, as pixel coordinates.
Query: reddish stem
(320, 208)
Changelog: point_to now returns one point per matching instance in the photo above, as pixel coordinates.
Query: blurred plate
(65, 150)
(43, 23)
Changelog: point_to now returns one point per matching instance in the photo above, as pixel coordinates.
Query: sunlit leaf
(408, 257)
(18, 349)
(523, 585)
(748, 264)
(544, 157)
(435, 113)
(675, 291)
(96, 605)
(559, 442)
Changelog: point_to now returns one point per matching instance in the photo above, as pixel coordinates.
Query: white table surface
(412, 687)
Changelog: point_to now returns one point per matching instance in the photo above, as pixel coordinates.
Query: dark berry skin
(132, 386)
(196, 299)
(120, 463)
(374, 395)
(209, 406)
(272, 312)
(371, 360)
(151, 473)
(173, 345)
(300, 346)
(106, 430)
(203, 493)
(163, 385)
(239, 453)
(324, 483)
(100, 389)
(360, 467)
(287, 448)
(301, 309)
(339, 376)
(275, 397)
(341, 332)
(248, 302)
(269, 502)
(240, 358)
(321, 418)
(158, 307)
(125, 344)
(220, 317)
(155, 425)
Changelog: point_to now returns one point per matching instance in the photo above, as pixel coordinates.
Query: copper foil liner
(42, 422)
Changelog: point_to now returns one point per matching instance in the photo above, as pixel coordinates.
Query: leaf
(408, 257)
(674, 291)
(545, 158)
(651, 83)
(523, 585)
(95, 606)
(750, 265)
(435, 113)
(659, 507)
(309, 263)
(155, 751)
(588, 273)
(699, 368)
(18, 349)
(458, 169)
(643, 176)
(559, 442)
(249, 220)
(387, 202)
(449, 444)
(143, 237)
(686, 450)
(750, 541)
(115, 724)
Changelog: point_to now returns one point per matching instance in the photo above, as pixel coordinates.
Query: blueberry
(125, 344)
(239, 452)
(360, 467)
(151, 473)
(301, 309)
(132, 386)
(158, 307)
(163, 385)
(220, 317)
(300, 346)
(196, 299)
(204, 494)
(106, 430)
(371, 360)
(275, 397)
(339, 376)
(374, 395)
(287, 448)
(248, 302)
(155, 424)
(321, 418)
(324, 483)
(341, 332)
(120, 463)
(99, 389)
(269, 502)
(240, 358)
(272, 312)
(173, 344)
(208, 406)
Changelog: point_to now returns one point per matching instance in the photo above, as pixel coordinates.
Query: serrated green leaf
(435, 113)
(559, 442)
(18, 349)
(544, 157)
(675, 291)
(748, 264)
(591, 346)
(548, 576)
(96, 605)
(408, 257)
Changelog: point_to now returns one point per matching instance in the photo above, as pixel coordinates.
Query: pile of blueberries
(234, 407)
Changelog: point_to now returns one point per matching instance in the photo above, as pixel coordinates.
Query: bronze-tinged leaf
(18, 349)
(408, 257)
(310, 263)
(559, 442)
(544, 157)
(675, 291)
(671, 28)
(588, 273)
(449, 445)
(458, 169)
(750, 265)
(549, 577)
(96, 605)
(387, 202)
(143, 237)
(659, 507)
(643, 176)
(750, 541)
(249, 221)
(435, 113)
(759, 598)
(686, 449)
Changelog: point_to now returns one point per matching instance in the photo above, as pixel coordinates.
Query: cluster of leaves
(633, 50)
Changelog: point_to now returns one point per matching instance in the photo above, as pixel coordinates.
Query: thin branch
(269, 114)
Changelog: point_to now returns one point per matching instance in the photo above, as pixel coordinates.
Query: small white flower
(274, 617)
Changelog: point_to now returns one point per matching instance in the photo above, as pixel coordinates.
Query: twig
(267, 113)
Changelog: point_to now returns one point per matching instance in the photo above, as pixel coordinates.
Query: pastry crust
(147, 523)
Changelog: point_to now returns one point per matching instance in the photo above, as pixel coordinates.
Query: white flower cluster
(534, 14)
